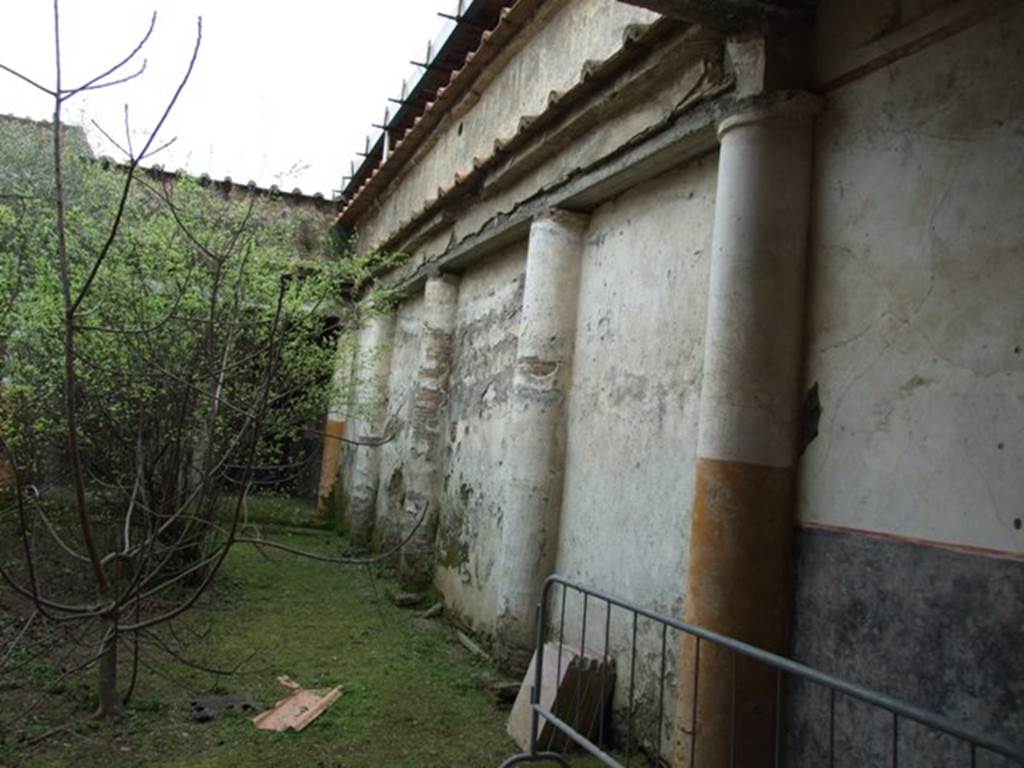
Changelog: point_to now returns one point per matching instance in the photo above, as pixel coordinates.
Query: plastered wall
(483, 357)
(404, 357)
(916, 318)
(909, 540)
(567, 34)
(636, 387)
(909, 568)
(633, 411)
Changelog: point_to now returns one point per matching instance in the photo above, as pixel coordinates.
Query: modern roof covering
(465, 29)
(379, 171)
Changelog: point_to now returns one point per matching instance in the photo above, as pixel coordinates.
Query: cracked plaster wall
(916, 317)
(915, 330)
(401, 388)
(483, 359)
(633, 409)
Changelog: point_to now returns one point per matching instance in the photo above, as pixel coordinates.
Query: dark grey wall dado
(940, 629)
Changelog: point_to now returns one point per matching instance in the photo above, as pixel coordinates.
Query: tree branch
(28, 80)
(133, 164)
(94, 82)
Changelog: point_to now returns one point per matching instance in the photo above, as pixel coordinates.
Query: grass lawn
(411, 694)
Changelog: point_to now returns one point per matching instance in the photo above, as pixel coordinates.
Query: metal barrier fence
(972, 745)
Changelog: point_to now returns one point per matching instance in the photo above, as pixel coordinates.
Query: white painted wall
(483, 358)
(404, 357)
(633, 419)
(916, 315)
(636, 388)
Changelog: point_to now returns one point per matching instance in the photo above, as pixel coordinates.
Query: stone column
(535, 463)
(373, 368)
(423, 470)
(330, 459)
(738, 581)
(335, 427)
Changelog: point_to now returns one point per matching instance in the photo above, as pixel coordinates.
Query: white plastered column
(535, 463)
(753, 346)
(741, 531)
(373, 367)
(423, 471)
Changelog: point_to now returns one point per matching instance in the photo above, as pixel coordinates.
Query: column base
(738, 584)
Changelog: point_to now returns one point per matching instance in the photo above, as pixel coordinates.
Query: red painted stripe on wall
(966, 549)
(908, 49)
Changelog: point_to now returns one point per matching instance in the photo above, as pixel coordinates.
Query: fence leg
(540, 757)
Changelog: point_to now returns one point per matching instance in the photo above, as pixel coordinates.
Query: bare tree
(109, 604)
(180, 470)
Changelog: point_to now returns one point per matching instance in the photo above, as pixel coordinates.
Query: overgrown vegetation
(161, 348)
(412, 695)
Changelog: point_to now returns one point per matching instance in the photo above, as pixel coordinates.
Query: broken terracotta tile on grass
(298, 709)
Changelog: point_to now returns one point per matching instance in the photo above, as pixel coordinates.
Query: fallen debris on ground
(502, 690)
(408, 599)
(433, 611)
(297, 710)
(577, 689)
(470, 645)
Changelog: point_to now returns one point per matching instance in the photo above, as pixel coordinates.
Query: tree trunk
(109, 700)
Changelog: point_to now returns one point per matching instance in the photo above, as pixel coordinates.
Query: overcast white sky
(283, 92)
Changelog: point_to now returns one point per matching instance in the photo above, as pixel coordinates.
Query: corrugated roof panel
(458, 37)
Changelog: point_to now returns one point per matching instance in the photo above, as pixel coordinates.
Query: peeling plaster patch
(537, 369)
(453, 545)
(810, 417)
(485, 341)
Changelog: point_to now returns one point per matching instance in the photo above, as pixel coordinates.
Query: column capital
(785, 107)
(563, 218)
(438, 276)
